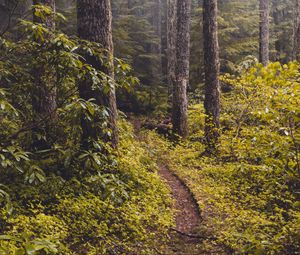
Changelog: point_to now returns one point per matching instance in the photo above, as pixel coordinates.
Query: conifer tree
(171, 34)
(95, 24)
(212, 70)
(180, 101)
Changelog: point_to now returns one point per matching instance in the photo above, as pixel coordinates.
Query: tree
(264, 32)
(212, 70)
(156, 17)
(139, 43)
(281, 29)
(95, 24)
(180, 102)
(296, 48)
(171, 48)
(44, 93)
(237, 39)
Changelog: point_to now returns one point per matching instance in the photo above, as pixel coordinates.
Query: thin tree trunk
(171, 43)
(44, 93)
(95, 24)
(264, 32)
(180, 102)
(212, 70)
(296, 48)
(164, 42)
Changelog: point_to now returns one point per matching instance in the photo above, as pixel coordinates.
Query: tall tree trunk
(264, 32)
(171, 41)
(95, 24)
(180, 102)
(296, 49)
(44, 94)
(212, 70)
(164, 41)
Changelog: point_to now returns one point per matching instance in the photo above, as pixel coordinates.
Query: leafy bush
(64, 199)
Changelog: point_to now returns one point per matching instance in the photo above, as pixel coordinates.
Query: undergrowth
(249, 191)
(124, 213)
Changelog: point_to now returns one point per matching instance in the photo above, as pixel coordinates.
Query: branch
(192, 235)
(9, 18)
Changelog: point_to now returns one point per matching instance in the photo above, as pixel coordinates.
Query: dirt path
(188, 218)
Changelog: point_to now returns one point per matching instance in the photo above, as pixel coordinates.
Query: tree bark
(164, 42)
(45, 92)
(296, 48)
(264, 32)
(212, 71)
(180, 102)
(171, 41)
(95, 24)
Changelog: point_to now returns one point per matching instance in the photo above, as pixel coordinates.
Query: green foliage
(63, 199)
(249, 192)
(126, 210)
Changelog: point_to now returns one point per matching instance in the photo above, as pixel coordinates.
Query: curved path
(184, 240)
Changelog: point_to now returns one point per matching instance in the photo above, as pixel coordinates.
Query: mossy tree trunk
(212, 70)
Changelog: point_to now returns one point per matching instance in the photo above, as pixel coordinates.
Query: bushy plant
(63, 198)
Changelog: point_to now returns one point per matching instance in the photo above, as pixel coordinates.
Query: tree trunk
(171, 47)
(45, 93)
(296, 49)
(180, 102)
(95, 24)
(212, 70)
(164, 42)
(264, 32)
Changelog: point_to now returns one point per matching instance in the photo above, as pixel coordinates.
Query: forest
(149, 127)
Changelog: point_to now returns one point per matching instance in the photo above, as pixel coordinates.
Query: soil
(184, 239)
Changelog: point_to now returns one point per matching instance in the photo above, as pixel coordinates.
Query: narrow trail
(183, 239)
(187, 215)
(188, 218)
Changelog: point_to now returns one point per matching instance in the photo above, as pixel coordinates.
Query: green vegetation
(63, 199)
(65, 194)
(249, 192)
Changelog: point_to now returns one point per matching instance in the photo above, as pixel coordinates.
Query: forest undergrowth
(248, 192)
